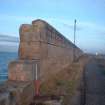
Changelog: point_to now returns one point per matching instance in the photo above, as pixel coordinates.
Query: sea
(5, 59)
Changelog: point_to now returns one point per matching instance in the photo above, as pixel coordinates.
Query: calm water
(5, 58)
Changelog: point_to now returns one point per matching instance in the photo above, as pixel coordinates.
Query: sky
(90, 16)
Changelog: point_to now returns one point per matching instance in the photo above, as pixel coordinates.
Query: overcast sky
(90, 16)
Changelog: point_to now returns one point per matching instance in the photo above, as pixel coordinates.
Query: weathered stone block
(22, 70)
(29, 33)
(29, 50)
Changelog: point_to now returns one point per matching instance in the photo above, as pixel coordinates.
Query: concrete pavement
(94, 84)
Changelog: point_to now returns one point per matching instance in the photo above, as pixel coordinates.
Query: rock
(17, 93)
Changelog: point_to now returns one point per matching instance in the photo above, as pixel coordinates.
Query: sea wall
(43, 52)
(40, 41)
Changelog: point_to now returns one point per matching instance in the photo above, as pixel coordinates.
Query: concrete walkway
(94, 82)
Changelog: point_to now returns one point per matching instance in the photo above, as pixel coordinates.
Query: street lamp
(74, 57)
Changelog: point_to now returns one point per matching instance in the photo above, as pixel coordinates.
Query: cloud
(8, 43)
(80, 25)
(7, 17)
(71, 26)
(13, 47)
(66, 23)
(7, 38)
(86, 30)
(92, 26)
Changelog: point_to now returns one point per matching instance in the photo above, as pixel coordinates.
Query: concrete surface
(94, 78)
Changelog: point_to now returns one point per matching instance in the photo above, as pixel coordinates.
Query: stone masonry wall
(42, 43)
(42, 51)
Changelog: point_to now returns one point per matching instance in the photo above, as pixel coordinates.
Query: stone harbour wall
(43, 52)
(40, 41)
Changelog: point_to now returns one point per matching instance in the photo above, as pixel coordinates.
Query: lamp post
(74, 57)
